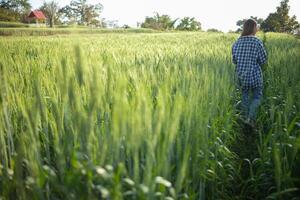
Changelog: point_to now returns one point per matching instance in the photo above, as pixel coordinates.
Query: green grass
(4, 24)
(143, 116)
(66, 31)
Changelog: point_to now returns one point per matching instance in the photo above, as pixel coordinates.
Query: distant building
(37, 17)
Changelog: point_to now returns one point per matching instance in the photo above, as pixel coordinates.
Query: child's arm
(262, 55)
(233, 56)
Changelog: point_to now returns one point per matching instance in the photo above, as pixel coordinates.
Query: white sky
(220, 14)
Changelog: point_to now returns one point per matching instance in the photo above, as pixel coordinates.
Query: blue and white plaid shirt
(249, 54)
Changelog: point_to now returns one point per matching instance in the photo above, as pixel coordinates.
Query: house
(36, 16)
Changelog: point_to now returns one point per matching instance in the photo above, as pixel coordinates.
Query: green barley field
(144, 116)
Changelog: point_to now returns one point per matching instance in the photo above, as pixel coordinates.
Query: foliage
(111, 23)
(14, 10)
(159, 22)
(126, 26)
(15, 5)
(165, 22)
(51, 9)
(189, 24)
(214, 30)
(280, 21)
(143, 116)
(82, 13)
(8, 15)
(240, 23)
(12, 25)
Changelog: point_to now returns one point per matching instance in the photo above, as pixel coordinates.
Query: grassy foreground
(143, 116)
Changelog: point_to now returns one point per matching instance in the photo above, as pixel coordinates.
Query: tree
(240, 23)
(18, 6)
(214, 30)
(67, 15)
(8, 15)
(14, 10)
(98, 23)
(280, 21)
(189, 24)
(112, 23)
(51, 9)
(82, 12)
(159, 22)
(126, 26)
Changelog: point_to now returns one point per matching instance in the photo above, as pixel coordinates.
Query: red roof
(37, 14)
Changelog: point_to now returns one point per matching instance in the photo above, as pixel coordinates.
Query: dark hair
(249, 27)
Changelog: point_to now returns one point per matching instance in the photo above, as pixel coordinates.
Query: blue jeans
(250, 104)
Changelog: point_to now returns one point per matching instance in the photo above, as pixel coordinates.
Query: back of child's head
(249, 27)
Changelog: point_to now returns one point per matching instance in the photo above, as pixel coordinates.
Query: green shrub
(12, 25)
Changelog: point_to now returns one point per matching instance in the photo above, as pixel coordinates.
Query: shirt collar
(248, 36)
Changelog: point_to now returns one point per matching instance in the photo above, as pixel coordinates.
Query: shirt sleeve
(262, 54)
(233, 56)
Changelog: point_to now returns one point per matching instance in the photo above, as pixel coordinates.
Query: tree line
(14, 10)
(278, 21)
(80, 12)
(165, 22)
(77, 12)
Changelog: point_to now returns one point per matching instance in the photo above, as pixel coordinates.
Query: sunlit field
(144, 116)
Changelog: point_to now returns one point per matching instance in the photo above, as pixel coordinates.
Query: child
(248, 54)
